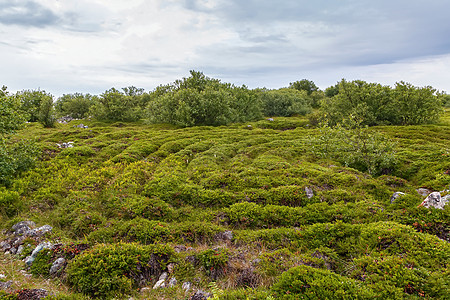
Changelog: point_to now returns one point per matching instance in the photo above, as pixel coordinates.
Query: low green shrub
(214, 261)
(42, 263)
(149, 208)
(108, 271)
(304, 282)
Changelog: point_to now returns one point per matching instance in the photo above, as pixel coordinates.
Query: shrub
(42, 263)
(284, 102)
(108, 271)
(214, 261)
(11, 118)
(199, 100)
(9, 202)
(357, 148)
(75, 105)
(15, 158)
(310, 283)
(375, 104)
(46, 113)
(32, 101)
(114, 105)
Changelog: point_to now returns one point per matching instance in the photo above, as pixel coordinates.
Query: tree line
(200, 100)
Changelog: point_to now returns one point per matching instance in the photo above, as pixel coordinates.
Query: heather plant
(108, 271)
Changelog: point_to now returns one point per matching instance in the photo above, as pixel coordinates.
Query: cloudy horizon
(90, 46)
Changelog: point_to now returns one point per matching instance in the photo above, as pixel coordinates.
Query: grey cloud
(28, 14)
(364, 31)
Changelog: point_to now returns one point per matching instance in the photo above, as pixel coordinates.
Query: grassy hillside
(231, 205)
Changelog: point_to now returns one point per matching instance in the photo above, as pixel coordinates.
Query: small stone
(270, 119)
(5, 246)
(200, 295)
(309, 192)
(228, 235)
(435, 200)
(19, 250)
(423, 192)
(179, 248)
(395, 196)
(29, 260)
(57, 266)
(186, 286)
(170, 268)
(145, 290)
(5, 285)
(159, 284)
(23, 226)
(172, 282)
(163, 276)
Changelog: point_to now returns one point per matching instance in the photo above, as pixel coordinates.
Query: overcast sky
(66, 46)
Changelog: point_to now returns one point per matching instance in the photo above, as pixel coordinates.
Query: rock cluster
(65, 119)
(81, 126)
(65, 145)
(433, 199)
(17, 236)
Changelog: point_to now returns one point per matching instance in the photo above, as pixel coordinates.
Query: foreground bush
(355, 147)
(304, 282)
(108, 271)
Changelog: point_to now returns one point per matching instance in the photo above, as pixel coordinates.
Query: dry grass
(14, 270)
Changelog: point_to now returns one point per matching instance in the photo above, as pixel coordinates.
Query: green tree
(11, 118)
(30, 102)
(15, 156)
(304, 85)
(114, 105)
(75, 105)
(46, 115)
(200, 100)
(332, 90)
(415, 105)
(284, 102)
(376, 104)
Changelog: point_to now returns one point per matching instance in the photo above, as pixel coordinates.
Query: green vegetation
(376, 104)
(266, 209)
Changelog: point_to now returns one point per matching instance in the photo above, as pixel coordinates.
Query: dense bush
(15, 156)
(75, 105)
(31, 102)
(214, 261)
(356, 147)
(284, 102)
(304, 282)
(376, 104)
(200, 100)
(108, 271)
(114, 105)
(11, 117)
(46, 114)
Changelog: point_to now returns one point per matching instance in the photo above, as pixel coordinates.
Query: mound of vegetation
(266, 209)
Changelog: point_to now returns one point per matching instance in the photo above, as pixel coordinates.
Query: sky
(67, 46)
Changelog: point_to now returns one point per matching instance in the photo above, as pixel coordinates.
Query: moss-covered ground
(136, 185)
